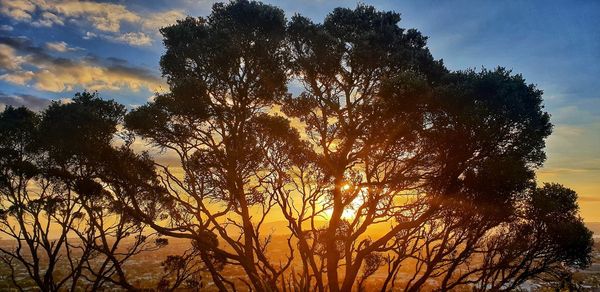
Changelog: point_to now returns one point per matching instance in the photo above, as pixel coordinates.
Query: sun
(351, 209)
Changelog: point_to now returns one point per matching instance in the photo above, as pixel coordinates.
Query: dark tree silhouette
(383, 161)
(444, 160)
(59, 174)
(225, 72)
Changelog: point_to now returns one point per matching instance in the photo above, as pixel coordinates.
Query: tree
(444, 161)
(385, 161)
(224, 72)
(59, 174)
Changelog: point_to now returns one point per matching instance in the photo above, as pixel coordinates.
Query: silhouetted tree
(60, 173)
(225, 72)
(443, 161)
(383, 158)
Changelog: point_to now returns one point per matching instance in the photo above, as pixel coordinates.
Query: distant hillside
(280, 227)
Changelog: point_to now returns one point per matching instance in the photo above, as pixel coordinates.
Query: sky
(50, 49)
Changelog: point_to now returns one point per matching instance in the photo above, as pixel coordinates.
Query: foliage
(59, 180)
(384, 161)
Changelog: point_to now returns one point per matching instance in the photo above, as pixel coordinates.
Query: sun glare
(350, 210)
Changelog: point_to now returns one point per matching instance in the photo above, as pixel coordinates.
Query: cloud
(48, 19)
(135, 39)
(130, 38)
(93, 77)
(30, 101)
(106, 19)
(55, 74)
(103, 16)
(61, 47)
(155, 21)
(9, 61)
(19, 10)
(89, 35)
(18, 77)
(11, 66)
(6, 27)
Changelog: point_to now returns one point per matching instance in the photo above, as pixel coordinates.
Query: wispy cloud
(130, 38)
(9, 60)
(17, 100)
(48, 19)
(20, 10)
(106, 19)
(61, 47)
(23, 63)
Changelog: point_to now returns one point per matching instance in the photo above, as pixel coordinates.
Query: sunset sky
(51, 49)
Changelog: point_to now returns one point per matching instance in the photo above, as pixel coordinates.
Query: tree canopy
(381, 160)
